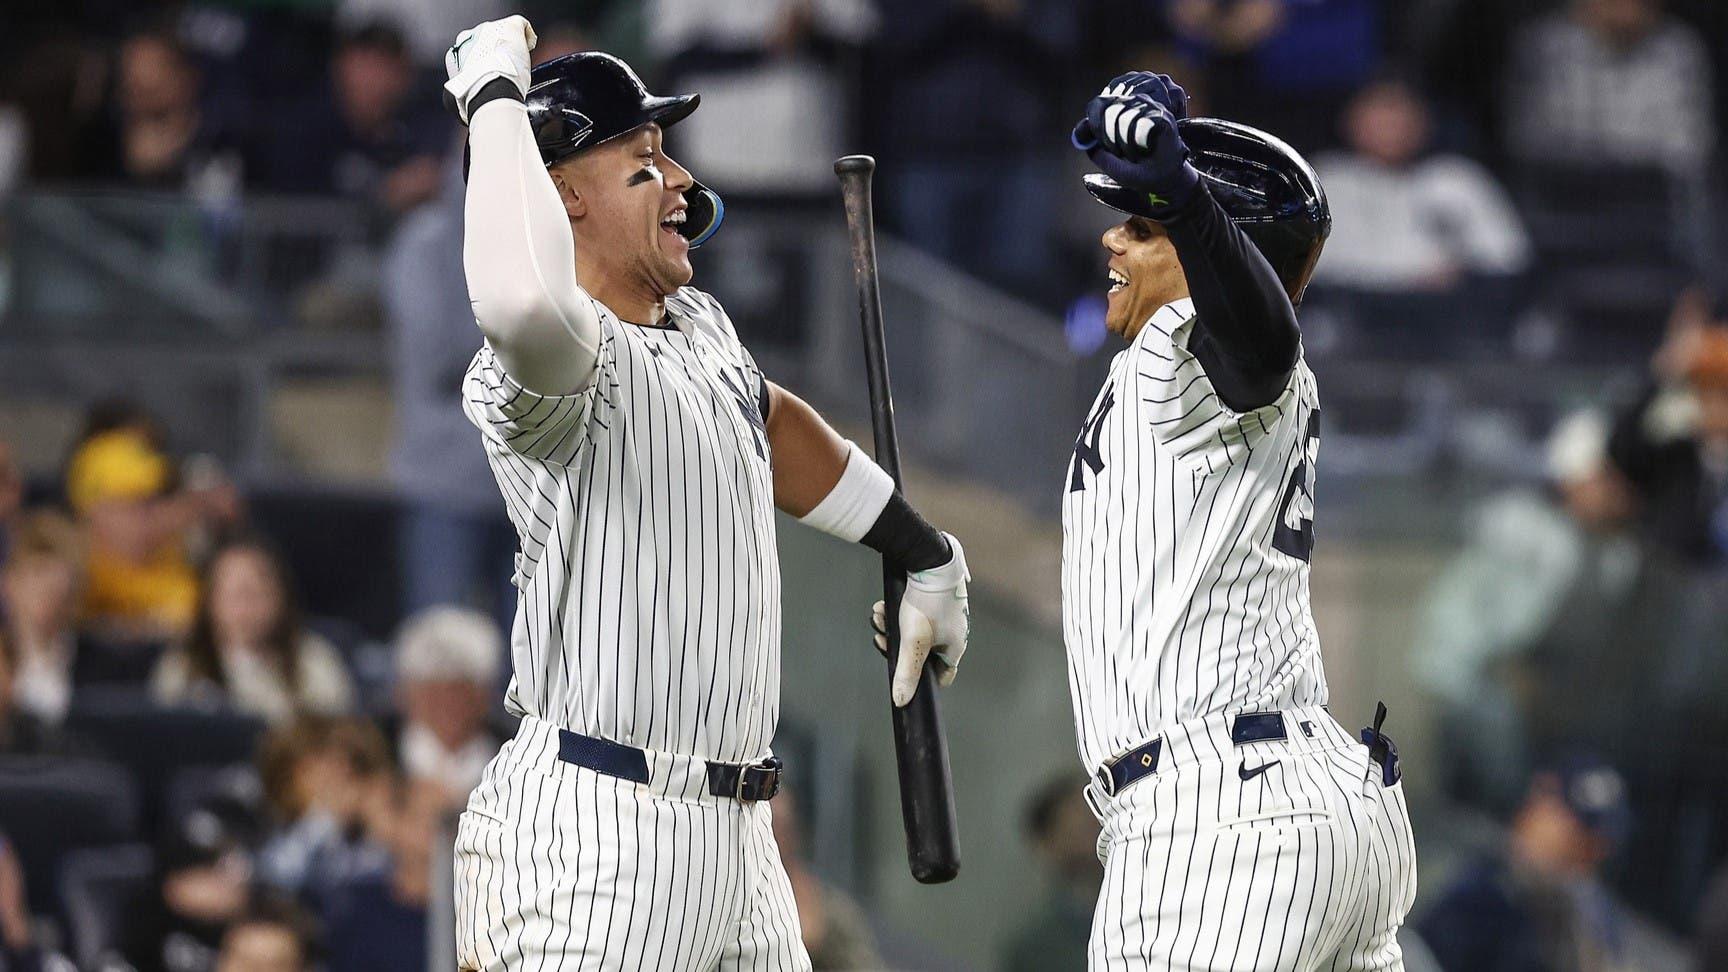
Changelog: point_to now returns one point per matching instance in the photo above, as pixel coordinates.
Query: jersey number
(1086, 453)
(1294, 533)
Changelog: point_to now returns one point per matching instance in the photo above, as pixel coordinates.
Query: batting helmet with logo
(581, 100)
(1261, 183)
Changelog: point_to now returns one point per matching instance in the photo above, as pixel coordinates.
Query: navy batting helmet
(1261, 183)
(581, 100)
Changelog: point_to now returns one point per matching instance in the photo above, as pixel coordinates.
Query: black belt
(747, 783)
(1121, 772)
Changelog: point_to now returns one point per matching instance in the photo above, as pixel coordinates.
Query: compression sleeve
(1245, 332)
(520, 257)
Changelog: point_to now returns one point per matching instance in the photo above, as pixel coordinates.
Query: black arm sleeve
(1245, 335)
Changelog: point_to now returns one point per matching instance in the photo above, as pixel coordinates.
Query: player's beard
(665, 262)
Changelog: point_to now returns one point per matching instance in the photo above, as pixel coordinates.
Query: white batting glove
(934, 621)
(494, 49)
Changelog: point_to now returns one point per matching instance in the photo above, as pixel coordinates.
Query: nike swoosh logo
(1247, 774)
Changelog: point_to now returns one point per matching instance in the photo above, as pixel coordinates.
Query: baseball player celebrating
(1243, 828)
(641, 454)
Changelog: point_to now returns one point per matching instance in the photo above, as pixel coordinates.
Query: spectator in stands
(774, 87)
(19, 951)
(11, 496)
(164, 137)
(248, 648)
(1540, 904)
(1548, 577)
(1428, 240)
(268, 938)
(325, 780)
(456, 545)
(428, 27)
(203, 883)
(970, 82)
(369, 136)
(39, 601)
(1064, 836)
(836, 931)
(21, 734)
(1611, 81)
(447, 663)
(138, 585)
(377, 920)
(1280, 64)
(1672, 444)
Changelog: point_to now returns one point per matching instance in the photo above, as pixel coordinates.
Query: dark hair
(376, 35)
(282, 644)
(267, 908)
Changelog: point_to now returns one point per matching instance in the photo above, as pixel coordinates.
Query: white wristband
(852, 506)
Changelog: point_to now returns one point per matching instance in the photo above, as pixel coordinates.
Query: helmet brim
(1118, 196)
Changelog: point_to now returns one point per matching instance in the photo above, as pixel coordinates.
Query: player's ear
(575, 206)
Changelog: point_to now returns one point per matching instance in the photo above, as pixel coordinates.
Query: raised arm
(1245, 332)
(517, 251)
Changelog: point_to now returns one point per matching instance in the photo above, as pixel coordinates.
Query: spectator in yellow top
(138, 584)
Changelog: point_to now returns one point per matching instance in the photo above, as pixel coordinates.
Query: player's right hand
(484, 53)
(935, 620)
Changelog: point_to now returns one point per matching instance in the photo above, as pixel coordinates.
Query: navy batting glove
(1139, 147)
(1159, 87)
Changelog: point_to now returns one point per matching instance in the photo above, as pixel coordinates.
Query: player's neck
(630, 304)
(1169, 295)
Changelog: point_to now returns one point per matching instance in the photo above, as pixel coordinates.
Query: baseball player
(1243, 828)
(641, 455)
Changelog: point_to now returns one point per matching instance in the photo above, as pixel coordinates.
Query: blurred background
(254, 570)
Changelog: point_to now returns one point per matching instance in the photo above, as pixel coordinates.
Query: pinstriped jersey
(648, 610)
(1186, 532)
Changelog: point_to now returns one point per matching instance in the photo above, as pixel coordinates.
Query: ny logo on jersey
(1294, 532)
(1087, 452)
(752, 413)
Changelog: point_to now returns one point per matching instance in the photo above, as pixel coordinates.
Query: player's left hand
(1161, 88)
(934, 621)
(1139, 146)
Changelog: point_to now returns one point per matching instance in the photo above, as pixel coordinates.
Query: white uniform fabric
(1177, 600)
(1306, 865)
(562, 868)
(1187, 529)
(649, 615)
(649, 612)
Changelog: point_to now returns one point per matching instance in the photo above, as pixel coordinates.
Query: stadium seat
(196, 786)
(1608, 241)
(49, 806)
(155, 742)
(97, 886)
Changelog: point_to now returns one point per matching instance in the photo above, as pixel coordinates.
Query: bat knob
(849, 164)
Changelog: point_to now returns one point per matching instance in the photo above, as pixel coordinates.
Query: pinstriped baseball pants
(561, 868)
(1305, 866)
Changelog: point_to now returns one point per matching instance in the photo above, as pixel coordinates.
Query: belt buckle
(768, 771)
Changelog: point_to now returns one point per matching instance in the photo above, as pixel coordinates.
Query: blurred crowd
(1535, 180)
(197, 775)
(1506, 164)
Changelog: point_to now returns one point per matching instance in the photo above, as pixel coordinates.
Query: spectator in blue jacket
(1540, 905)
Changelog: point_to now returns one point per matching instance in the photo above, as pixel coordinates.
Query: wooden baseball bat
(920, 748)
